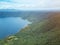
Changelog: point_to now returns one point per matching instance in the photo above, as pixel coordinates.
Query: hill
(45, 32)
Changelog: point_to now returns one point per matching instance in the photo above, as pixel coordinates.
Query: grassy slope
(46, 32)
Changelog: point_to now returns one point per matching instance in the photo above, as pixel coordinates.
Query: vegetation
(45, 32)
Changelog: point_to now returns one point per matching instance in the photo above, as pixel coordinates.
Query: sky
(30, 4)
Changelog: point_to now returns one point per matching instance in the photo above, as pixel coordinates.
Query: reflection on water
(11, 25)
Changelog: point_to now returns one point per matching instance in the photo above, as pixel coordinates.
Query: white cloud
(30, 4)
(7, 5)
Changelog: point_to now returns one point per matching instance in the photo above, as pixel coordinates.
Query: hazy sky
(30, 4)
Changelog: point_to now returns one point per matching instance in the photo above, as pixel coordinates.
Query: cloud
(30, 4)
(10, 5)
(40, 3)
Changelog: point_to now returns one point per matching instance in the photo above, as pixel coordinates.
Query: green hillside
(45, 32)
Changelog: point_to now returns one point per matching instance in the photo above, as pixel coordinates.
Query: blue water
(11, 25)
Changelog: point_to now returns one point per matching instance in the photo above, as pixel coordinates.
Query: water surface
(11, 25)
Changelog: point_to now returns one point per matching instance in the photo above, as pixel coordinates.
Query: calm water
(11, 25)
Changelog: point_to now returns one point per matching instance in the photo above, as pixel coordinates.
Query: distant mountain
(30, 15)
(8, 10)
